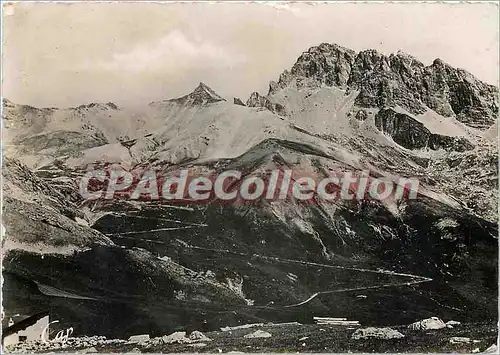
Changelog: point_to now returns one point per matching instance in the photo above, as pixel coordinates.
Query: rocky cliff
(395, 80)
(412, 134)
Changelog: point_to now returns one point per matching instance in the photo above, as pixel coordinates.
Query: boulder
(90, 350)
(154, 342)
(138, 338)
(376, 333)
(493, 349)
(452, 323)
(459, 340)
(198, 336)
(427, 324)
(197, 345)
(258, 334)
(176, 338)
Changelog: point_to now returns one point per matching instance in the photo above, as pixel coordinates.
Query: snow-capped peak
(204, 94)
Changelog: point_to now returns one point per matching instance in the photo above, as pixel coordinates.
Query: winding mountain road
(414, 279)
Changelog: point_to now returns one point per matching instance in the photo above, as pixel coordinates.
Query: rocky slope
(140, 266)
(38, 217)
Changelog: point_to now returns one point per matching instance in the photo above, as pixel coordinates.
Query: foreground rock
(493, 349)
(138, 338)
(198, 336)
(181, 338)
(86, 343)
(452, 323)
(429, 323)
(460, 340)
(376, 333)
(288, 338)
(258, 334)
(90, 350)
(176, 338)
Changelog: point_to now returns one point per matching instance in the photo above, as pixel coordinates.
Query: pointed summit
(203, 94)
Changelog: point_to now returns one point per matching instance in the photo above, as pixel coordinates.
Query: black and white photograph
(249, 177)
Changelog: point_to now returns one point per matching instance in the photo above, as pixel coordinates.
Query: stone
(138, 338)
(197, 345)
(427, 324)
(198, 336)
(493, 349)
(376, 333)
(88, 350)
(459, 340)
(452, 323)
(154, 342)
(258, 334)
(176, 338)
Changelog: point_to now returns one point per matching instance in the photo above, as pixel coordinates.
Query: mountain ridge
(397, 79)
(155, 268)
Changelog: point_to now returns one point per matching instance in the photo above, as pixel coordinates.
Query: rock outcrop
(412, 134)
(237, 101)
(328, 64)
(257, 100)
(37, 216)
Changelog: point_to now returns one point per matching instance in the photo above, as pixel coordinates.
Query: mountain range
(124, 267)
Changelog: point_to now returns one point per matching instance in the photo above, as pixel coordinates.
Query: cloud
(171, 52)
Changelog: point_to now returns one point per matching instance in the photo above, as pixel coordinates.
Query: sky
(67, 54)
